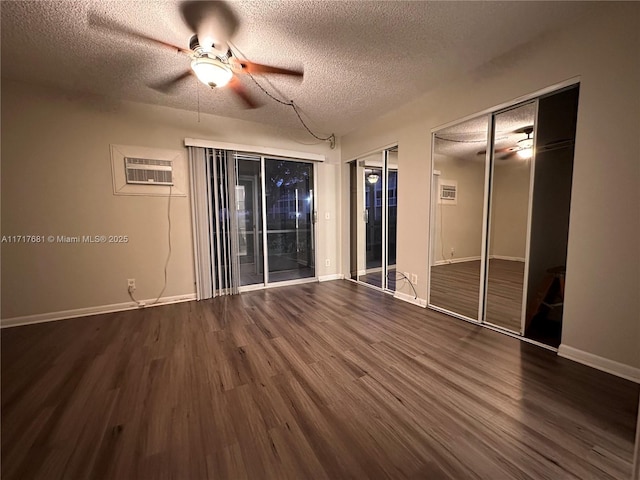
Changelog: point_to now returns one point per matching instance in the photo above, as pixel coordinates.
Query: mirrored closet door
(500, 203)
(457, 212)
(509, 207)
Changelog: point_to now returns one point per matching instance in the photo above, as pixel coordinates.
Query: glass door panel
(374, 193)
(249, 212)
(372, 186)
(289, 198)
(392, 216)
(508, 217)
(458, 199)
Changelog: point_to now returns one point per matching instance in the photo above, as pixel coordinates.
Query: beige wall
(56, 179)
(459, 225)
(510, 208)
(603, 278)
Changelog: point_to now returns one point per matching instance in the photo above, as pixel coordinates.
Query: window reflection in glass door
(289, 219)
(373, 226)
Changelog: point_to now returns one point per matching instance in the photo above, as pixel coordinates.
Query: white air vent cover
(145, 171)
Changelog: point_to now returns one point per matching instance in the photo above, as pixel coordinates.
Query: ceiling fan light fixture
(373, 178)
(525, 153)
(525, 147)
(525, 143)
(211, 71)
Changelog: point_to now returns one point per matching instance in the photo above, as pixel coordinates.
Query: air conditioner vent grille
(448, 192)
(147, 171)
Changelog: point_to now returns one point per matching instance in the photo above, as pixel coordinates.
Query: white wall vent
(146, 171)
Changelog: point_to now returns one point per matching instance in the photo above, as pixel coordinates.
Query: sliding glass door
(289, 219)
(374, 188)
(275, 196)
(249, 213)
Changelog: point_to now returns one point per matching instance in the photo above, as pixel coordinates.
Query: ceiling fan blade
(528, 129)
(257, 68)
(507, 156)
(213, 22)
(498, 151)
(97, 21)
(168, 86)
(242, 93)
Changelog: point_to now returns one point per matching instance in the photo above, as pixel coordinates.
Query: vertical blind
(213, 203)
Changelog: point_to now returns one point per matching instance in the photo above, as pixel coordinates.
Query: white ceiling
(360, 59)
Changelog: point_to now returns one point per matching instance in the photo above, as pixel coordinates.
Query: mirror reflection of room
(460, 196)
(458, 199)
(500, 216)
(509, 211)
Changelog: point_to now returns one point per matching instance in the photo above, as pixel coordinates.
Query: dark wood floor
(456, 287)
(375, 279)
(331, 380)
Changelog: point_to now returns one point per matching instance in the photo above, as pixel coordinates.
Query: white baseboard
(504, 257)
(370, 270)
(457, 260)
(85, 312)
(410, 299)
(328, 278)
(475, 259)
(600, 363)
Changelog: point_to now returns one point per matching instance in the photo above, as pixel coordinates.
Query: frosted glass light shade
(211, 72)
(525, 148)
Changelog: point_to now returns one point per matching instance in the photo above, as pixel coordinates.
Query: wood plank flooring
(329, 381)
(456, 287)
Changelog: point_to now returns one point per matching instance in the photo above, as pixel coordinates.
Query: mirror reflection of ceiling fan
(212, 60)
(522, 149)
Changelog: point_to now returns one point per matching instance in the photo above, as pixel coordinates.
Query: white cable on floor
(166, 263)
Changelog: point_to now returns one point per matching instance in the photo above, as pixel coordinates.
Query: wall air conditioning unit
(146, 171)
(448, 192)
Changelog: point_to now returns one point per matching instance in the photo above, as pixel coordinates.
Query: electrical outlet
(327, 263)
(407, 275)
(453, 250)
(131, 284)
(414, 278)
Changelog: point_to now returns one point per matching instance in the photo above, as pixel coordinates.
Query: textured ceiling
(360, 59)
(466, 139)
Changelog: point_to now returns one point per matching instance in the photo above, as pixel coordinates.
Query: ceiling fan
(523, 148)
(212, 60)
